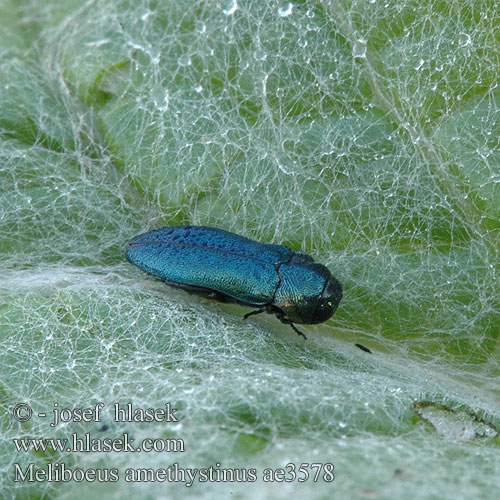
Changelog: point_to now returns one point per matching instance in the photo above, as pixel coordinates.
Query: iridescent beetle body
(231, 268)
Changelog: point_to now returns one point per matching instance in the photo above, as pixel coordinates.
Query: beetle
(230, 268)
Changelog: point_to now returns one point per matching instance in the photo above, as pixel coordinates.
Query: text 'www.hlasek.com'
(107, 417)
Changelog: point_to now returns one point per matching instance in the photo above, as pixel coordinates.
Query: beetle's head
(329, 301)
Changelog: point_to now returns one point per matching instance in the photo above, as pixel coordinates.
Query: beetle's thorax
(307, 292)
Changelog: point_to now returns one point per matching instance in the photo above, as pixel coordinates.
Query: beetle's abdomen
(217, 239)
(211, 258)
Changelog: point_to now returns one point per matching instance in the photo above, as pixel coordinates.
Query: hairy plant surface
(364, 133)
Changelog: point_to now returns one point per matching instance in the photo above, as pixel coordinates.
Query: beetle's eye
(330, 298)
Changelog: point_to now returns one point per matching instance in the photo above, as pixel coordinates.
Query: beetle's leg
(297, 330)
(279, 315)
(286, 321)
(251, 313)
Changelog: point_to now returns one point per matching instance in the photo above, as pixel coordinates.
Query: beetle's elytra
(230, 268)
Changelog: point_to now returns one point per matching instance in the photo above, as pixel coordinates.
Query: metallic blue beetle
(230, 268)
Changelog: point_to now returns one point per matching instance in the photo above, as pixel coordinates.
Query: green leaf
(363, 133)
